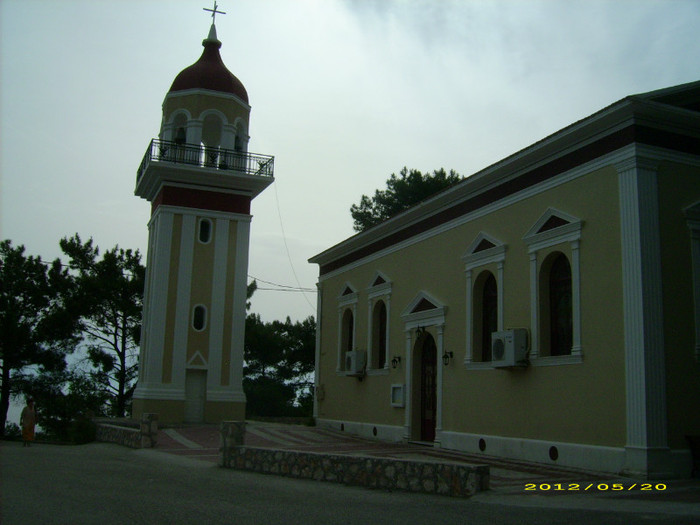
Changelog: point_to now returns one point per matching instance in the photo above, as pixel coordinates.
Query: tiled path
(203, 442)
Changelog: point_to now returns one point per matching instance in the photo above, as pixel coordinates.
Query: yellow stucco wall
(679, 187)
(582, 403)
(200, 293)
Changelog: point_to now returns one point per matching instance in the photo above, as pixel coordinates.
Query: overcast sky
(343, 94)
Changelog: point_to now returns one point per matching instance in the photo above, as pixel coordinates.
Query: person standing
(28, 421)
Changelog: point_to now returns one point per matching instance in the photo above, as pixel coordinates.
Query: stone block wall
(141, 434)
(450, 479)
(129, 437)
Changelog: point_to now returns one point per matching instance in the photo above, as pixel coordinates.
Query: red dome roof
(209, 72)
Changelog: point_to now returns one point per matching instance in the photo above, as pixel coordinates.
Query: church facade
(546, 308)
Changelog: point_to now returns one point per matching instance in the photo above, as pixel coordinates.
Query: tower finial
(213, 12)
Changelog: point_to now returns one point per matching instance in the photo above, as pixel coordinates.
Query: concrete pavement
(107, 484)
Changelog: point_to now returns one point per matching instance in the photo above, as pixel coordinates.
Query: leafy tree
(279, 361)
(111, 293)
(401, 193)
(66, 400)
(38, 319)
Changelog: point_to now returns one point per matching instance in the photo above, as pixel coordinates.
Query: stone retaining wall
(129, 437)
(136, 435)
(450, 479)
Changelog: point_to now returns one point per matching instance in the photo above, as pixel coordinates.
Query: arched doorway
(426, 361)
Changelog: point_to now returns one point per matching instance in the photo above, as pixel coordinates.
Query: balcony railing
(226, 160)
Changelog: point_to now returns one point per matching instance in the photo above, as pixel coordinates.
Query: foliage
(65, 401)
(38, 320)
(12, 431)
(402, 192)
(279, 361)
(111, 294)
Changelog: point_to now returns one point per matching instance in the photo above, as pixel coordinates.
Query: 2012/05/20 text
(599, 487)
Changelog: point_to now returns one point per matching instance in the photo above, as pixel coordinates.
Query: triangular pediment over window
(483, 249)
(347, 290)
(424, 310)
(550, 220)
(348, 294)
(378, 279)
(553, 226)
(379, 285)
(421, 303)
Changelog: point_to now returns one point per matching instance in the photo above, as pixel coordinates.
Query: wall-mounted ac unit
(509, 348)
(355, 362)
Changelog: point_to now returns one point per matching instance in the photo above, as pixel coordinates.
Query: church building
(545, 308)
(200, 180)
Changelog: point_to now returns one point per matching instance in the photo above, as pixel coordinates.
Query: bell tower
(200, 180)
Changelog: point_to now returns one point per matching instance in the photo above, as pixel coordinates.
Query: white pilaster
(501, 295)
(182, 303)
(239, 312)
(643, 314)
(370, 329)
(438, 388)
(534, 308)
(469, 353)
(408, 392)
(194, 131)
(576, 349)
(155, 301)
(692, 215)
(387, 303)
(218, 303)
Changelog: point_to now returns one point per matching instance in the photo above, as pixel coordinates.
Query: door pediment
(424, 310)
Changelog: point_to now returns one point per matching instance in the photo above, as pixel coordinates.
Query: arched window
(180, 136)
(560, 311)
(199, 318)
(348, 333)
(485, 311)
(379, 320)
(204, 230)
(489, 318)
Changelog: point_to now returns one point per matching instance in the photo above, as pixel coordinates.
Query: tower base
(172, 412)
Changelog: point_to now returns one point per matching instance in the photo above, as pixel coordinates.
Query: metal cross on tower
(213, 12)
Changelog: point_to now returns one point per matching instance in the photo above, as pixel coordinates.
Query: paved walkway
(108, 484)
(508, 477)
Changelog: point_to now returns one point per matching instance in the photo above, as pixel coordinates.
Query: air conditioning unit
(509, 348)
(355, 362)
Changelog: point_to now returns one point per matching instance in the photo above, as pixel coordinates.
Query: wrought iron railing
(204, 157)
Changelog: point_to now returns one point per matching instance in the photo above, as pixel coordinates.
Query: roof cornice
(632, 119)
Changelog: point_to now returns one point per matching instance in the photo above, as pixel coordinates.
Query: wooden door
(195, 395)
(428, 395)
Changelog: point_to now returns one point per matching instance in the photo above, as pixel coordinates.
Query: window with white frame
(555, 288)
(379, 308)
(484, 297)
(199, 317)
(205, 228)
(347, 313)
